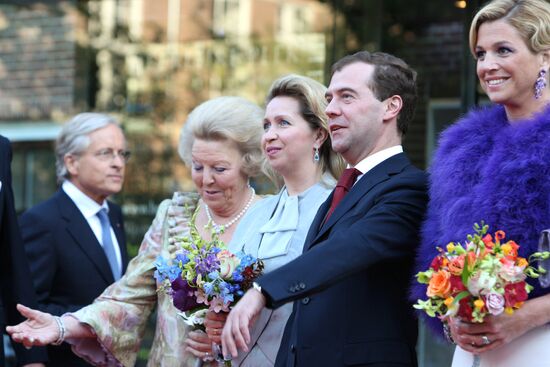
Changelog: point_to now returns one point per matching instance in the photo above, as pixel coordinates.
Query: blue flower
(208, 288)
(237, 276)
(246, 259)
(214, 274)
(182, 257)
(165, 271)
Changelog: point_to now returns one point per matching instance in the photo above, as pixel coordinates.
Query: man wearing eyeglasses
(75, 240)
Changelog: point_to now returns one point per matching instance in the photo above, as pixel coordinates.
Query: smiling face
(355, 116)
(506, 68)
(94, 175)
(288, 140)
(217, 173)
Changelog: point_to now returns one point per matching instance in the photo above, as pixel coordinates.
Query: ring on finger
(485, 340)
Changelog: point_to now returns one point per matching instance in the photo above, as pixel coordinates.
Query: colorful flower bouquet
(484, 276)
(204, 276)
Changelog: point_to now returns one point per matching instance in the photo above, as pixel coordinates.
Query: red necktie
(345, 182)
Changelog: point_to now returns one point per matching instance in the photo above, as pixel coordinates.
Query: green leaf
(460, 296)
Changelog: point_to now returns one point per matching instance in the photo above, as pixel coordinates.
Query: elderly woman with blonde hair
(220, 142)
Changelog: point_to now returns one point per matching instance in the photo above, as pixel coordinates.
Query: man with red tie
(349, 287)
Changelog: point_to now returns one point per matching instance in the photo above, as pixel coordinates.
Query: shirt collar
(375, 159)
(84, 203)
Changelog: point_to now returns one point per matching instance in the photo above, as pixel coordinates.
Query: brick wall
(37, 61)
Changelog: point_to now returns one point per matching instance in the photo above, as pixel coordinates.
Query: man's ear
(71, 163)
(393, 107)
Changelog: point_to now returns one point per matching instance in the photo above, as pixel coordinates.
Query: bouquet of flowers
(204, 276)
(483, 276)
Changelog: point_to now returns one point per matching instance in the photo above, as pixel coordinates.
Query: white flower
(194, 319)
(480, 282)
(228, 263)
(511, 273)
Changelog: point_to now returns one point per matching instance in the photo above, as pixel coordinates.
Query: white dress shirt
(375, 159)
(89, 209)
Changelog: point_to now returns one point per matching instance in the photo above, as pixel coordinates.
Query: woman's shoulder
(469, 139)
(478, 121)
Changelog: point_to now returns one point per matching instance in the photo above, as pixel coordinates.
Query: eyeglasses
(109, 154)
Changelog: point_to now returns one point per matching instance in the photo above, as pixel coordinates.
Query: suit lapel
(375, 176)
(79, 229)
(317, 221)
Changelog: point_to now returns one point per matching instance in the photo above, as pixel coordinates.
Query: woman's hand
(495, 331)
(198, 344)
(214, 323)
(39, 329)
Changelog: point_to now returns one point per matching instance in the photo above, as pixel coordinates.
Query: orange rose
(456, 265)
(440, 284)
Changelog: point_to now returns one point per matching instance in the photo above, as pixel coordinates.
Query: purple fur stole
(487, 169)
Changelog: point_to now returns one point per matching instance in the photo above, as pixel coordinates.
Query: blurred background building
(149, 62)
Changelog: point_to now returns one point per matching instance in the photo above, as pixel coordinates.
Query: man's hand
(236, 332)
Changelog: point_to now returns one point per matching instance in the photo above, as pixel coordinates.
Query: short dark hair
(392, 76)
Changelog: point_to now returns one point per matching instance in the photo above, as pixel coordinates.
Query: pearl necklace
(222, 227)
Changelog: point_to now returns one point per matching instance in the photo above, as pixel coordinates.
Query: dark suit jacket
(350, 284)
(68, 264)
(16, 284)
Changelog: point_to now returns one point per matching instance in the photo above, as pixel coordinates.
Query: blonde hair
(310, 95)
(531, 18)
(226, 118)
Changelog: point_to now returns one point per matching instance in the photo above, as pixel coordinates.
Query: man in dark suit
(350, 284)
(16, 283)
(75, 240)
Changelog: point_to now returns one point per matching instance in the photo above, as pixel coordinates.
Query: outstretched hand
(39, 329)
(236, 332)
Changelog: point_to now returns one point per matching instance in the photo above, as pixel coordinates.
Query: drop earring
(316, 155)
(540, 84)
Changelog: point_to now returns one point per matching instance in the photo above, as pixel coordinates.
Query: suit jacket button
(292, 348)
(291, 289)
(302, 286)
(305, 301)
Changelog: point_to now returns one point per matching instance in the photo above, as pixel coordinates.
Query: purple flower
(207, 264)
(183, 295)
